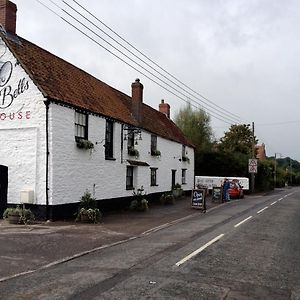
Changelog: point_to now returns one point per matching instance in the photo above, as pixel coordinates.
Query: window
(183, 176)
(183, 151)
(81, 125)
(153, 176)
(153, 143)
(129, 178)
(130, 142)
(109, 134)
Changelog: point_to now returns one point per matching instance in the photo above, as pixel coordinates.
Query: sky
(241, 55)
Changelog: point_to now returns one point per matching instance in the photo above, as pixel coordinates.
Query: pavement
(40, 245)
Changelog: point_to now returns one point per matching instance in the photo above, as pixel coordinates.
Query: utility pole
(253, 156)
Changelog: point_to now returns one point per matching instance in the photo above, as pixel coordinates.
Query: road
(242, 250)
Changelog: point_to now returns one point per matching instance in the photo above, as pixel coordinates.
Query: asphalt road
(241, 250)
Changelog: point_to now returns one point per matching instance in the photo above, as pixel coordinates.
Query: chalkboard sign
(217, 194)
(198, 199)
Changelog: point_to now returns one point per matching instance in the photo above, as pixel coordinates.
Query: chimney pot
(8, 16)
(164, 108)
(137, 99)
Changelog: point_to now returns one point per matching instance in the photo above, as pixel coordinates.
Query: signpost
(198, 199)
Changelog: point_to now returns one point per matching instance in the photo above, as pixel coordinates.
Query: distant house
(261, 152)
(63, 132)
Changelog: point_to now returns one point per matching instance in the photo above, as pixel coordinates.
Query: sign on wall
(10, 90)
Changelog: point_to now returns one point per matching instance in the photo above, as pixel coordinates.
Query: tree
(239, 139)
(195, 124)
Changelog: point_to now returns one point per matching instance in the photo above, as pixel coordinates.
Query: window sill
(154, 185)
(129, 188)
(110, 158)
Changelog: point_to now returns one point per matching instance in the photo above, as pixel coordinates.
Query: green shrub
(167, 198)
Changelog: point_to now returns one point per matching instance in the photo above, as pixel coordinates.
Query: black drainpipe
(47, 159)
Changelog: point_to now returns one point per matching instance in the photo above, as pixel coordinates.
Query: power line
(220, 117)
(279, 123)
(147, 57)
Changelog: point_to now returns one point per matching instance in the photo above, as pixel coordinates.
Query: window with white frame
(153, 176)
(183, 176)
(81, 125)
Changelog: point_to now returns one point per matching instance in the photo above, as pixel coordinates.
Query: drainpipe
(47, 159)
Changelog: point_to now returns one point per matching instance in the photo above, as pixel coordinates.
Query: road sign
(252, 166)
(252, 169)
(252, 162)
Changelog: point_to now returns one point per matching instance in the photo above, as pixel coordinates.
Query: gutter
(47, 158)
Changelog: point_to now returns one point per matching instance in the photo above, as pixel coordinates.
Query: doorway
(173, 178)
(3, 188)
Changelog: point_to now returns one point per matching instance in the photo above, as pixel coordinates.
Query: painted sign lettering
(15, 116)
(8, 93)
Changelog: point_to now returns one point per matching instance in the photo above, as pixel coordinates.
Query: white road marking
(260, 211)
(199, 250)
(238, 224)
(280, 199)
(273, 202)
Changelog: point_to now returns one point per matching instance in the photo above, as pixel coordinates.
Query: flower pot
(14, 219)
(84, 218)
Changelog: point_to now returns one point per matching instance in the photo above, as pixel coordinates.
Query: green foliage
(239, 139)
(195, 124)
(133, 152)
(264, 179)
(88, 211)
(167, 199)
(87, 201)
(139, 203)
(218, 163)
(84, 144)
(25, 214)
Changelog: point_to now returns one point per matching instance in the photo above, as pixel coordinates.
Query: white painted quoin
(38, 128)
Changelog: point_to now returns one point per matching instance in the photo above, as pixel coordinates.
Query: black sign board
(198, 199)
(217, 194)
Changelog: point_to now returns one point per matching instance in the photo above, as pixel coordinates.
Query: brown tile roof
(61, 81)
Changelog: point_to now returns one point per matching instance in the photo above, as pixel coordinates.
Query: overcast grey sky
(242, 55)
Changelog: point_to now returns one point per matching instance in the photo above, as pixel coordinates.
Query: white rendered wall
(73, 170)
(22, 130)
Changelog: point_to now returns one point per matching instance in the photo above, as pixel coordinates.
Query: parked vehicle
(236, 190)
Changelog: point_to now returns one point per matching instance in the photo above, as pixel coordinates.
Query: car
(235, 190)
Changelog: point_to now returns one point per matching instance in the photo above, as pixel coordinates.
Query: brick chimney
(137, 100)
(8, 16)
(164, 108)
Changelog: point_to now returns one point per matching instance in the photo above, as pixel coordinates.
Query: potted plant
(133, 152)
(185, 158)
(88, 211)
(177, 190)
(139, 203)
(18, 215)
(167, 198)
(155, 152)
(84, 144)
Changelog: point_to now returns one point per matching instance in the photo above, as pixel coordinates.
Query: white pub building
(63, 132)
